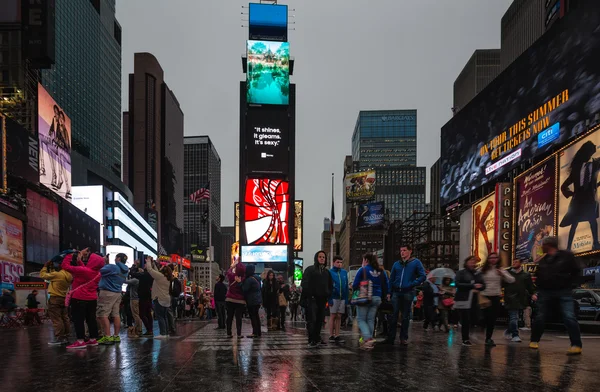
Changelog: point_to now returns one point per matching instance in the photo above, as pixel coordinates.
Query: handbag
(282, 301)
(71, 291)
(484, 302)
(362, 296)
(448, 302)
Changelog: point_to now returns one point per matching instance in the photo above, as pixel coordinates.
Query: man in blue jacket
(407, 274)
(338, 299)
(109, 297)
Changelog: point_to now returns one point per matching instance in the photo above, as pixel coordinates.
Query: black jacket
(32, 302)
(252, 291)
(220, 292)
(428, 294)
(465, 282)
(316, 282)
(175, 288)
(269, 293)
(145, 287)
(558, 272)
(517, 294)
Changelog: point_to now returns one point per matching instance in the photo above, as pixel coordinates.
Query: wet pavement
(204, 359)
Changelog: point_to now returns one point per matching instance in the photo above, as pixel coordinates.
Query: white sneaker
(525, 329)
(516, 339)
(161, 337)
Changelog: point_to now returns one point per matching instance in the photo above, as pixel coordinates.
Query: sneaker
(525, 329)
(467, 343)
(361, 340)
(116, 339)
(516, 339)
(106, 340)
(490, 343)
(77, 345)
(574, 350)
(56, 343)
(161, 337)
(92, 342)
(313, 345)
(338, 339)
(534, 345)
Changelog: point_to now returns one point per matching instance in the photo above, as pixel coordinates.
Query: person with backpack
(407, 273)
(338, 299)
(252, 293)
(109, 298)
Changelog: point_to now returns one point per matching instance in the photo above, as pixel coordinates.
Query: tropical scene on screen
(268, 75)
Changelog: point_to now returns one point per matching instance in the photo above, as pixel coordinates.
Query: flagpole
(332, 230)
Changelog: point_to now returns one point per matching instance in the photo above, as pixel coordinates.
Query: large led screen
(267, 141)
(298, 225)
(266, 211)
(43, 229)
(534, 209)
(268, 21)
(545, 98)
(360, 186)
(370, 215)
(3, 175)
(268, 73)
(578, 217)
(54, 129)
(264, 253)
(484, 220)
(11, 239)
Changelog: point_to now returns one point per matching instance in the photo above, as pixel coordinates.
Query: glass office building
(385, 138)
(86, 79)
(402, 189)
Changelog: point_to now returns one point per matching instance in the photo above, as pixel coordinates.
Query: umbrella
(441, 273)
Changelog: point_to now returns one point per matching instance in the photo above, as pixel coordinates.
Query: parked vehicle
(589, 304)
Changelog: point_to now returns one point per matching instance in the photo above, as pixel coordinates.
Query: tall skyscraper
(385, 138)
(402, 189)
(435, 187)
(153, 151)
(480, 70)
(202, 168)
(86, 81)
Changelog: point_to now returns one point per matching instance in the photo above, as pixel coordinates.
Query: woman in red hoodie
(83, 296)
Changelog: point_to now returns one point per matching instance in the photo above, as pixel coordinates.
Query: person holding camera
(60, 281)
(162, 299)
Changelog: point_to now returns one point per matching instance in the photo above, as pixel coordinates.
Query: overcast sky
(350, 56)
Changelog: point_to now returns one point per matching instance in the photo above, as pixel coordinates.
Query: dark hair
(269, 273)
(486, 264)
(407, 246)
(469, 258)
(317, 256)
(551, 242)
(337, 257)
(167, 272)
(372, 259)
(221, 277)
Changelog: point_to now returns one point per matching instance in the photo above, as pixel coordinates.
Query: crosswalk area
(271, 344)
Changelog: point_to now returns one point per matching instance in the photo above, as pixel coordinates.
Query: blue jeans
(161, 313)
(565, 299)
(402, 302)
(513, 323)
(365, 315)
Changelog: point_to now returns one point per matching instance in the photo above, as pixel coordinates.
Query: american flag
(200, 194)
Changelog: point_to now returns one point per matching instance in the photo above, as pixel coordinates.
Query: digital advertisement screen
(360, 186)
(535, 209)
(298, 273)
(484, 219)
(3, 173)
(78, 230)
(298, 224)
(113, 250)
(267, 141)
(22, 152)
(264, 253)
(578, 219)
(268, 22)
(11, 239)
(266, 211)
(54, 129)
(43, 229)
(90, 199)
(370, 215)
(268, 73)
(540, 102)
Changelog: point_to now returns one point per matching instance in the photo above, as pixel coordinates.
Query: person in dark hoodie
(109, 298)
(220, 295)
(558, 273)
(269, 294)
(406, 274)
(145, 300)
(316, 289)
(253, 295)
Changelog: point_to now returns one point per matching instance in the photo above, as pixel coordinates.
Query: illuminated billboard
(268, 73)
(360, 186)
(268, 22)
(266, 211)
(54, 128)
(534, 209)
(267, 140)
(484, 220)
(578, 218)
(540, 102)
(113, 250)
(298, 225)
(264, 253)
(370, 215)
(3, 161)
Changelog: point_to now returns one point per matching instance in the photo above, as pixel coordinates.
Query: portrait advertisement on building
(534, 209)
(360, 186)
(484, 225)
(54, 128)
(11, 248)
(578, 195)
(540, 102)
(370, 215)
